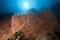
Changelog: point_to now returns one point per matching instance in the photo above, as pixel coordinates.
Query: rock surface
(31, 26)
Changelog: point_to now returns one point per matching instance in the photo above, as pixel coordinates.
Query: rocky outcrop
(32, 26)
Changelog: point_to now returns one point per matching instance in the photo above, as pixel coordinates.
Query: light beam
(25, 5)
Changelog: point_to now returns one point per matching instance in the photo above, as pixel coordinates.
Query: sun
(26, 5)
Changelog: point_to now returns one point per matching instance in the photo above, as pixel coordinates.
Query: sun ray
(25, 5)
